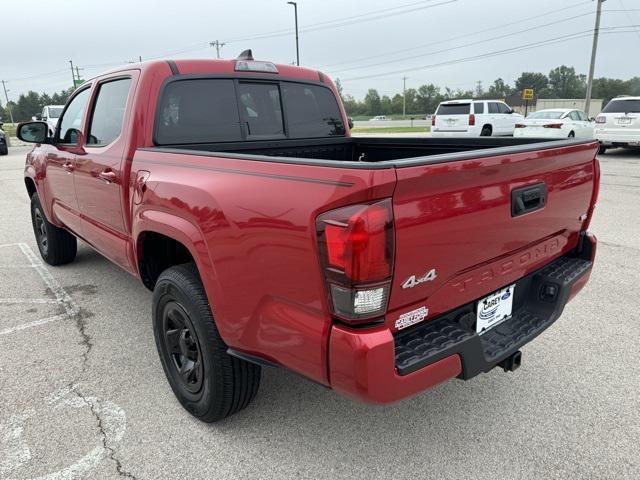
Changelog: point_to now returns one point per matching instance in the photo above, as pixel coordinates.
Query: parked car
(618, 125)
(474, 118)
(50, 114)
(4, 144)
(378, 118)
(378, 267)
(556, 123)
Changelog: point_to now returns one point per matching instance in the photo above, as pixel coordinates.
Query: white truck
(474, 118)
(50, 114)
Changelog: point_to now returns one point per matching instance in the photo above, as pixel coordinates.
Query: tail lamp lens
(601, 119)
(472, 120)
(520, 125)
(356, 250)
(433, 120)
(552, 125)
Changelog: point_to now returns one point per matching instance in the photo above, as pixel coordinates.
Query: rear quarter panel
(256, 252)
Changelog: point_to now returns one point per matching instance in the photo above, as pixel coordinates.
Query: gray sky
(345, 39)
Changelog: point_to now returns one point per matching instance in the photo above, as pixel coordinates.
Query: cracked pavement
(84, 395)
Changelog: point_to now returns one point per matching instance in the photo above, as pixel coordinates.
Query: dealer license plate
(494, 309)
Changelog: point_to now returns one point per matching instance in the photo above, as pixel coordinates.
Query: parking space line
(62, 298)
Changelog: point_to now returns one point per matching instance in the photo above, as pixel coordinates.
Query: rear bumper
(376, 366)
(473, 131)
(618, 137)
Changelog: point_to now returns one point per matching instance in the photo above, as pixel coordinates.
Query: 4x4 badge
(412, 281)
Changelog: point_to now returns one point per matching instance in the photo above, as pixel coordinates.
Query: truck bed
(371, 152)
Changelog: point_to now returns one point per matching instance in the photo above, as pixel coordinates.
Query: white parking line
(62, 298)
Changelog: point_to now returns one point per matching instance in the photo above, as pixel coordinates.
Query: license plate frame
(494, 309)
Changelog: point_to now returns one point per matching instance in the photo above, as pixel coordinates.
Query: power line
(345, 21)
(529, 46)
(628, 15)
(402, 59)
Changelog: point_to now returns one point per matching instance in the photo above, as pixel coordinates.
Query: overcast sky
(380, 39)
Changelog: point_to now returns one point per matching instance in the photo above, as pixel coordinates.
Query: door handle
(68, 166)
(528, 199)
(108, 176)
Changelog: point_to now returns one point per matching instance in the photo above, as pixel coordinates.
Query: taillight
(472, 120)
(520, 125)
(552, 125)
(356, 253)
(433, 120)
(601, 119)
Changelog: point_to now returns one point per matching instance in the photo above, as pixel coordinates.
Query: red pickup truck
(378, 267)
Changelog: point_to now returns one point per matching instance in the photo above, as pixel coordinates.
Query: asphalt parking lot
(83, 394)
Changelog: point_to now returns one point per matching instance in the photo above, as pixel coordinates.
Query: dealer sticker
(494, 308)
(411, 318)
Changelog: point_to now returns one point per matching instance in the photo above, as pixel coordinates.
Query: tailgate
(459, 236)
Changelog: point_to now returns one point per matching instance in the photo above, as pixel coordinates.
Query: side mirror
(33, 132)
(44, 119)
(591, 119)
(350, 122)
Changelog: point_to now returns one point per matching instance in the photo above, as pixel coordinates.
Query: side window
(493, 107)
(71, 121)
(478, 107)
(574, 116)
(503, 108)
(261, 109)
(198, 111)
(583, 116)
(108, 112)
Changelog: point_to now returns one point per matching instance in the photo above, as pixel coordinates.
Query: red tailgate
(456, 218)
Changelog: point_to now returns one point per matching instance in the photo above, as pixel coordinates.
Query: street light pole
(295, 9)
(592, 66)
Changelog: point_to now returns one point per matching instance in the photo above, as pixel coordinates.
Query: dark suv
(4, 149)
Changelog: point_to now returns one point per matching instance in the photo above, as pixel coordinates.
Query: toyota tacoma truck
(378, 267)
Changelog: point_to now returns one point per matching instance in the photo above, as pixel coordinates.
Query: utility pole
(140, 58)
(73, 74)
(4, 87)
(404, 96)
(218, 46)
(295, 9)
(596, 31)
(78, 73)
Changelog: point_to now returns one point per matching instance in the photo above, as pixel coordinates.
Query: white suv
(474, 118)
(50, 114)
(618, 125)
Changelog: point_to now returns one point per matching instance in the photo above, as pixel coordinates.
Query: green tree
(372, 102)
(565, 83)
(428, 98)
(411, 94)
(499, 89)
(396, 104)
(538, 81)
(607, 88)
(385, 105)
(339, 88)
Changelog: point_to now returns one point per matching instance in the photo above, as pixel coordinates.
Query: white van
(618, 125)
(474, 118)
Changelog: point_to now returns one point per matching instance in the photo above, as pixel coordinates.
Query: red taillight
(552, 125)
(601, 119)
(520, 125)
(356, 252)
(472, 120)
(433, 120)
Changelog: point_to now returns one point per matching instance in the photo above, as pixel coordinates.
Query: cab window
(71, 121)
(108, 112)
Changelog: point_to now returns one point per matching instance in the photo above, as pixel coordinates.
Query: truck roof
(221, 66)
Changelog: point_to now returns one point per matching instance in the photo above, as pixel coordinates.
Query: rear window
(198, 111)
(622, 106)
(454, 109)
(549, 114)
(312, 111)
(216, 110)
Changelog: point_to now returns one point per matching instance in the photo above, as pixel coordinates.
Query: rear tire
(486, 131)
(572, 134)
(4, 150)
(208, 382)
(56, 245)
(602, 150)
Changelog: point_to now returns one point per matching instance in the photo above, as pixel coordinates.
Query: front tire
(56, 245)
(602, 150)
(4, 150)
(208, 382)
